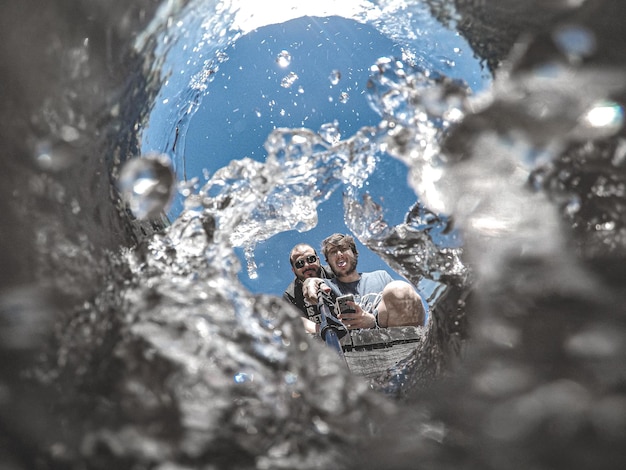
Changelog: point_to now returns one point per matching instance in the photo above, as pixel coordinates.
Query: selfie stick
(331, 329)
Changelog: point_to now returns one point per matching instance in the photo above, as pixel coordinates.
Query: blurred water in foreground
(129, 344)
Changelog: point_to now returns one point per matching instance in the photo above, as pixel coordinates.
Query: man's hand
(357, 319)
(310, 288)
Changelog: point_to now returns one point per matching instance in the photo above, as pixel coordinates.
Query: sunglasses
(308, 260)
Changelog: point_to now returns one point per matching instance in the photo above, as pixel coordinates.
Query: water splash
(330, 132)
(252, 201)
(543, 219)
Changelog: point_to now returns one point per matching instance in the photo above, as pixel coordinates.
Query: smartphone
(342, 303)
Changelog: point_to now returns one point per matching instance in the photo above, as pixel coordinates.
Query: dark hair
(339, 240)
(298, 246)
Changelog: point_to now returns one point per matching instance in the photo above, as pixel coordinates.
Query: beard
(349, 268)
(311, 272)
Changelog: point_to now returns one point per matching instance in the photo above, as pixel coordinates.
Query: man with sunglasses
(305, 263)
(379, 300)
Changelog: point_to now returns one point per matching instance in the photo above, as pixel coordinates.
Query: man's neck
(349, 277)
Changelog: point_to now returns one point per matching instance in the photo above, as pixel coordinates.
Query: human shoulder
(378, 274)
(289, 292)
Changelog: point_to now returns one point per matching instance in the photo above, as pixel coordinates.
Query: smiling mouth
(342, 264)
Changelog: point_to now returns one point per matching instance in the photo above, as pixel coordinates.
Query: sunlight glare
(253, 14)
(605, 114)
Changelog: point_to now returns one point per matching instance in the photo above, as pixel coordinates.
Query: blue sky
(245, 101)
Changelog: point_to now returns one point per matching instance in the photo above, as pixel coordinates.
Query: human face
(342, 260)
(308, 269)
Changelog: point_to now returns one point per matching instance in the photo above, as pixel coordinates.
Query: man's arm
(311, 286)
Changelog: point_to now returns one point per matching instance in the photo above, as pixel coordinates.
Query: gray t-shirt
(367, 290)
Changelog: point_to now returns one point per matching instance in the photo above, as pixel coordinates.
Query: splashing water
(301, 171)
(305, 110)
(146, 185)
(169, 362)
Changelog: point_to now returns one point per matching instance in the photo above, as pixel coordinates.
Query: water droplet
(500, 380)
(320, 425)
(251, 262)
(186, 187)
(146, 184)
(606, 226)
(289, 80)
(334, 77)
(75, 206)
(283, 59)
(576, 42)
(55, 155)
(619, 156)
(595, 343)
(291, 378)
(447, 62)
(242, 377)
(573, 206)
(330, 132)
(69, 133)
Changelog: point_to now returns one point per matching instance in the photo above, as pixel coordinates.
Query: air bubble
(335, 77)
(146, 185)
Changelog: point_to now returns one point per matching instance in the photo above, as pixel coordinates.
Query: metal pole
(331, 329)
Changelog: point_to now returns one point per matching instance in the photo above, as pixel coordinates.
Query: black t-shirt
(294, 295)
